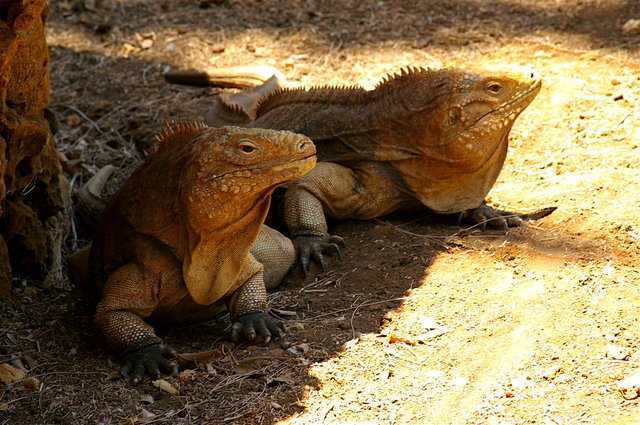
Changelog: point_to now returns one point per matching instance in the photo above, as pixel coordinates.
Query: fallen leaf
(165, 386)
(631, 27)
(147, 43)
(10, 374)
(147, 398)
(293, 351)
(31, 383)
(303, 347)
(431, 334)
(147, 414)
(283, 313)
(295, 327)
(394, 338)
(271, 382)
(185, 375)
(428, 323)
(114, 375)
(190, 360)
(244, 369)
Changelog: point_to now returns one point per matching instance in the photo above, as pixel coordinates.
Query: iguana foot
(314, 247)
(149, 361)
(259, 327)
(485, 215)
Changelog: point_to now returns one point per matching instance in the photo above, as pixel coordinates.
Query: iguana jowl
(176, 238)
(432, 137)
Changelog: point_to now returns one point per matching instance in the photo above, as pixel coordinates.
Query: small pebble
(630, 386)
(617, 353)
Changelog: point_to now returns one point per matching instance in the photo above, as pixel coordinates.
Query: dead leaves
(10, 375)
(430, 327)
(165, 386)
(190, 360)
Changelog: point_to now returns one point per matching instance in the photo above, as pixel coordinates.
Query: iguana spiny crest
(444, 131)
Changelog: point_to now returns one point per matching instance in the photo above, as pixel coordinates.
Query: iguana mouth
(300, 163)
(273, 175)
(288, 171)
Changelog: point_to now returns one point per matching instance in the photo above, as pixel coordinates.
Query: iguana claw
(149, 361)
(314, 247)
(485, 215)
(258, 326)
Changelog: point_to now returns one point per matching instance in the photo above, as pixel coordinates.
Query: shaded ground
(527, 317)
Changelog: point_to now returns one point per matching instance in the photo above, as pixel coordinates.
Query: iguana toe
(486, 215)
(315, 247)
(256, 326)
(149, 361)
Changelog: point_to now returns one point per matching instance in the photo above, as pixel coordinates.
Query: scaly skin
(174, 242)
(422, 137)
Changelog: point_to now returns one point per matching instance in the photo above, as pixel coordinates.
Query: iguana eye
(247, 147)
(494, 87)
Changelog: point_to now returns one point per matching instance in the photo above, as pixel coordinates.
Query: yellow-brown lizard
(176, 238)
(434, 138)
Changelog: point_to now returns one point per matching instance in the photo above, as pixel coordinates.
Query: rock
(630, 386)
(33, 192)
(617, 353)
(631, 27)
(551, 372)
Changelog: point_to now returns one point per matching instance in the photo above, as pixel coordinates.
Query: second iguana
(434, 138)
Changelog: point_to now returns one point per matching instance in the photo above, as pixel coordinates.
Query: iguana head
(464, 139)
(479, 111)
(232, 169)
(226, 183)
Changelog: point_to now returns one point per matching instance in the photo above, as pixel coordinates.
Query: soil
(422, 321)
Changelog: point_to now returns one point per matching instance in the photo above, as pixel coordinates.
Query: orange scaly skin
(175, 240)
(436, 138)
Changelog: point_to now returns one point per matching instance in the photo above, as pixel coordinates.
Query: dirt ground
(422, 321)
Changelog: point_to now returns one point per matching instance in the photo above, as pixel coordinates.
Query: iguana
(175, 239)
(436, 138)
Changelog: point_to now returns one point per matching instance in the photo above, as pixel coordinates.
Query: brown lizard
(436, 138)
(175, 240)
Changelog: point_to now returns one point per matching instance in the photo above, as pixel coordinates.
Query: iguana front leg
(338, 192)
(276, 253)
(247, 307)
(304, 216)
(486, 215)
(128, 297)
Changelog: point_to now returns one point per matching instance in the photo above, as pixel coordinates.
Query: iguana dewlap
(175, 239)
(436, 138)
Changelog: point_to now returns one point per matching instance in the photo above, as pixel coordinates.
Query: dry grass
(529, 313)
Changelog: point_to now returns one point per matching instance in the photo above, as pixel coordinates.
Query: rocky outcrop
(33, 191)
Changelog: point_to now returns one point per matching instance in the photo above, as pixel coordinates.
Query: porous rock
(33, 191)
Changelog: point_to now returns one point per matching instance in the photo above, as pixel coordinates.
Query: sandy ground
(422, 321)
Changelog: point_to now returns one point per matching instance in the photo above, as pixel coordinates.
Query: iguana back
(444, 133)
